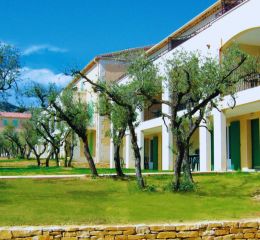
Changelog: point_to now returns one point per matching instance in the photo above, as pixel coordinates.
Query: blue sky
(55, 34)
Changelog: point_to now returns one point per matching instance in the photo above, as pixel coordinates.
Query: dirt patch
(256, 197)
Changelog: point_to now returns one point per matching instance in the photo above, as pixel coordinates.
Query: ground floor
(233, 142)
(230, 140)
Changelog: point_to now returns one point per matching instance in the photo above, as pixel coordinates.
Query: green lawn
(32, 170)
(11, 167)
(104, 201)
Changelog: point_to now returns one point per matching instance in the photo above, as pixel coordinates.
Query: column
(167, 142)
(128, 151)
(140, 142)
(111, 150)
(205, 148)
(111, 158)
(220, 142)
(167, 149)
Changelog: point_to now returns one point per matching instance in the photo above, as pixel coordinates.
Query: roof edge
(184, 28)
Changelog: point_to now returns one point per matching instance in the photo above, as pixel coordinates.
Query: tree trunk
(89, 157)
(66, 155)
(47, 163)
(138, 170)
(56, 155)
(178, 165)
(71, 155)
(22, 152)
(119, 171)
(28, 154)
(186, 164)
(118, 166)
(38, 161)
(37, 158)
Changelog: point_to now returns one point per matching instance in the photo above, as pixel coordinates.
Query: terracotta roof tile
(15, 115)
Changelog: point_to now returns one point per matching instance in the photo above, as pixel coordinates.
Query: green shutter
(212, 149)
(155, 153)
(234, 145)
(146, 154)
(15, 122)
(5, 122)
(255, 143)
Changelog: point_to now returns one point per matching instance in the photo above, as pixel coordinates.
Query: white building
(235, 141)
(106, 67)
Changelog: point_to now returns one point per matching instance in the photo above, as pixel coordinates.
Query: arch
(248, 40)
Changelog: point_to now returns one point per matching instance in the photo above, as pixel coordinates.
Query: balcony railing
(227, 5)
(249, 82)
(154, 111)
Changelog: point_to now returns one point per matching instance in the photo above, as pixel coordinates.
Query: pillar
(220, 141)
(205, 148)
(129, 160)
(167, 138)
(167, 149)
(111, 151)
(140, 142)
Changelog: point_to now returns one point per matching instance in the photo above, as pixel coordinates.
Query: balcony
(229, 4)
(249, 82)
(153, 112)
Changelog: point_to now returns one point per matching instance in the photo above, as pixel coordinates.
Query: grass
(11, 167)
(109, 201)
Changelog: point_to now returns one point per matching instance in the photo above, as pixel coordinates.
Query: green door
(255, 143)
(234, 145)
(146, 154)
(155, 153)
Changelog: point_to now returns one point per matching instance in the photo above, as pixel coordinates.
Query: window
(5, 122)
(15, 122)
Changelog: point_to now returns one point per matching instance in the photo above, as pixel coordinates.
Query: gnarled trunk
(28, 154)
(182, 163)
(178, 165)
(186, 164)
(138, 170)
(71, 155)
(47, 163)
(117, 145)
(89, 157)
(56, 155)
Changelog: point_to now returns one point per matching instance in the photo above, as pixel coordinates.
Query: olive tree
(16, 139)
(196, 83)
(123, 95)
(33, 137)
(118, 117)
(9, 67)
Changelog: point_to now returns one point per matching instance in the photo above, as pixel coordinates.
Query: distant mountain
(8, 107)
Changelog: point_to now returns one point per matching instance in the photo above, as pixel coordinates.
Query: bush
(185, 185)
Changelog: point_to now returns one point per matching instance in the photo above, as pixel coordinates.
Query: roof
(117, 53)
(104, 56)
(212, 9)
(15, 115)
